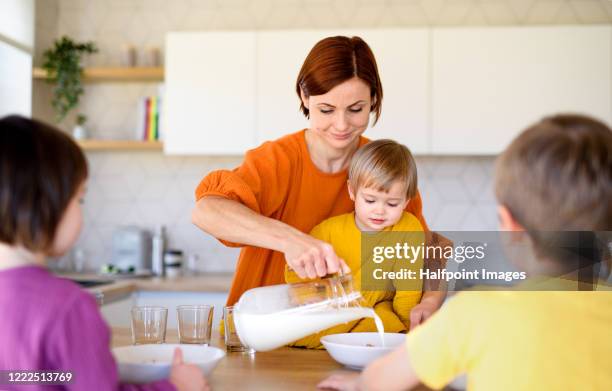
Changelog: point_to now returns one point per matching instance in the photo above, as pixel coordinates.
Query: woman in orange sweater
(287, 186)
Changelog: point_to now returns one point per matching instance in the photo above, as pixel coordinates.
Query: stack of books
(151, 107)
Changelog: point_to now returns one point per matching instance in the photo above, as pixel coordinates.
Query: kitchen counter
(209, 282)
(281, 369)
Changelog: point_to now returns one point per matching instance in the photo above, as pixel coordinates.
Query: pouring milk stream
(269, 317)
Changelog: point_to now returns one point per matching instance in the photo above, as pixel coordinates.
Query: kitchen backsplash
(148, 188)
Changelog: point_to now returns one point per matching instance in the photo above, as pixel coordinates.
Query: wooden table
(281, 369)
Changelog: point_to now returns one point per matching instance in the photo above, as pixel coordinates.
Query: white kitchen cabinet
(446, 90)
(117, 312)
(402, 56)
(490, 83)
(15, 81)
(403, 61)
(280, 55)
(171, 300)
(16, 46)
(17, 23)
(209, 105)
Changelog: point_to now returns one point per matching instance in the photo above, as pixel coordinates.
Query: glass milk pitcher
(273, 316)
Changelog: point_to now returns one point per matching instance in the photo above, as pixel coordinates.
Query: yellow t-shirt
(393, 307)
(517, 340)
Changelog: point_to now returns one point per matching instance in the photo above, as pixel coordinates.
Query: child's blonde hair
(381, 163)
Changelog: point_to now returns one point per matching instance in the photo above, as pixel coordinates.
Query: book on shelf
(149, 119)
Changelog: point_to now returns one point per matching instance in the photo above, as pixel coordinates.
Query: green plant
(63, 65)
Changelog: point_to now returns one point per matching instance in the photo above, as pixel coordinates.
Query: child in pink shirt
(49, 323)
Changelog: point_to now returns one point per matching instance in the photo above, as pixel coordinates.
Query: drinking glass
(232, 341)
(149, 325)
(195, 323)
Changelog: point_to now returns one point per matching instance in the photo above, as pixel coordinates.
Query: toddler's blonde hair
(381, 163)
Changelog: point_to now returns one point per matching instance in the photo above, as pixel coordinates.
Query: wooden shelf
(118, 145)
(124, 74)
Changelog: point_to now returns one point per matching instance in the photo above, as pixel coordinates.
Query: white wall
(17, 22)
(16, 48)
(15, 81)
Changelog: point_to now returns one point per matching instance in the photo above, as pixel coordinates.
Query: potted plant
(63, 65)
(79, 131)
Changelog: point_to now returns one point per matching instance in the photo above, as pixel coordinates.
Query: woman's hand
(311, 258)
(186, 377)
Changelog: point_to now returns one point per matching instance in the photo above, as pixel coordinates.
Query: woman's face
(341, 115)
(70, 224)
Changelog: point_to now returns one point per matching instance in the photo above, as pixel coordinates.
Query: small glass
(232, 341)
(99, 298)
(195, 323)
(149, 325)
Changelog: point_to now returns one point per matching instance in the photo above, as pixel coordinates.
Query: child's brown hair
(555, 179)
(557, 175)
(41, 169)
(380, 163)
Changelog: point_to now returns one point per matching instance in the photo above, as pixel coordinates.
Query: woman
(287, 186)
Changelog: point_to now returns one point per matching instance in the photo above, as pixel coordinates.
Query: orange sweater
(279, 180)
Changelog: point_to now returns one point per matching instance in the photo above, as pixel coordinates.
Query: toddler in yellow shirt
(555, 177)
(382, 178)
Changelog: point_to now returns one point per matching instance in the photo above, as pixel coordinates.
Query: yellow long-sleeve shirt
(392, 305)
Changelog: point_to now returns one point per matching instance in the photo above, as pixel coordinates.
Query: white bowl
(356, 350)
(147, 363)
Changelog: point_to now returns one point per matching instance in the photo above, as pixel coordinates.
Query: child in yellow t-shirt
(554, 177)
(382, 178)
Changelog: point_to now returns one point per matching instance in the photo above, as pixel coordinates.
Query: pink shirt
(49, 323)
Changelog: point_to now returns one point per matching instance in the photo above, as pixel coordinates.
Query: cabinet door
(402, 56)
(16, 43)
(280, 55)
(490, 83)
(210, 93)
(17, 22)
(117, 313)
(15, 81)
(403, 62)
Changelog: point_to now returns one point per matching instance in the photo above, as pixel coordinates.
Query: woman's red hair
(334, 60)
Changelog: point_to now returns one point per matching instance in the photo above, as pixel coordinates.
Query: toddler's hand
(186, 377)
(348, 382)
(421, 312)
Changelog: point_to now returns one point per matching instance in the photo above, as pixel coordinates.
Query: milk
(267, 331)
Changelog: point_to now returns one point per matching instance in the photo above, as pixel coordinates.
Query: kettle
(131, 248)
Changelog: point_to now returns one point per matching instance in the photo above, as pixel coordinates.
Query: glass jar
(272, 316)
(333, 292)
